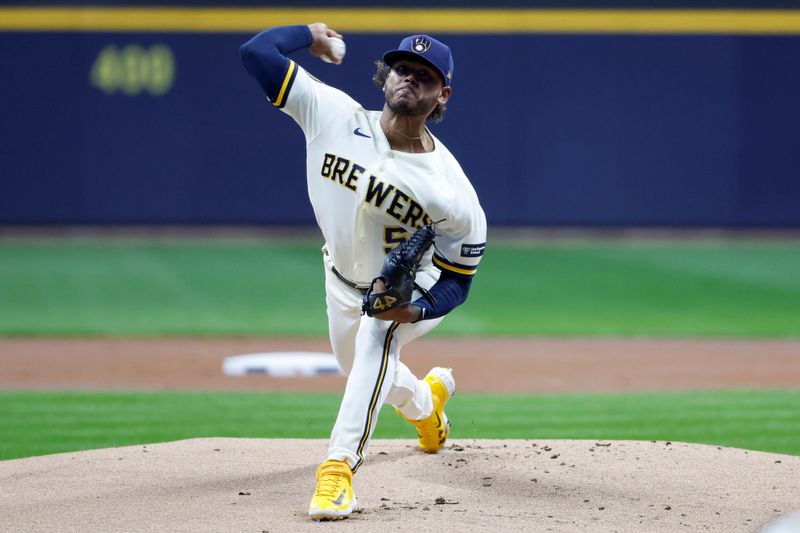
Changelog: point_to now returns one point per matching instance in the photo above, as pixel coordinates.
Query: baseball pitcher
(404, 232)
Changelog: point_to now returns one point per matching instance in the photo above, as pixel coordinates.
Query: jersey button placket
(360, 244)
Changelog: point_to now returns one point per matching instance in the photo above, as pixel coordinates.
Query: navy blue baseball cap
(425, 48)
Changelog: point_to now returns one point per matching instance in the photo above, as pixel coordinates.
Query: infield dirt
(524, 365)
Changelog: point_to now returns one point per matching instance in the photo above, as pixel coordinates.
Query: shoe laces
(327, 485)
(328, 482)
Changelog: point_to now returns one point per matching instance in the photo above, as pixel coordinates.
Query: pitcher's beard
(406, 108)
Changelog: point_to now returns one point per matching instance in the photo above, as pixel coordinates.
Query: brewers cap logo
(421, 45)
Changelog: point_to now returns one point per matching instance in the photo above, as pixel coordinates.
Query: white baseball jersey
(367, 198)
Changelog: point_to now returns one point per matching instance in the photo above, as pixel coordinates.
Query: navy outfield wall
(586, 129)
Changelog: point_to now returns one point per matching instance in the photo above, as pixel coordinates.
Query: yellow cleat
(333, 498)
(433, 431)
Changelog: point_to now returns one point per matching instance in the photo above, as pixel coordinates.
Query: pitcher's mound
(259, 485)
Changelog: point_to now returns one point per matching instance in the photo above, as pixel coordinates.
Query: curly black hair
(382, 72)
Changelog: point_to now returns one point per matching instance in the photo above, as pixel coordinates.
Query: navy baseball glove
(398, 273)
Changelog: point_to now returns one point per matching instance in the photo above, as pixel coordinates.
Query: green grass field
(35, 423)
(96, 287)
(136, 288)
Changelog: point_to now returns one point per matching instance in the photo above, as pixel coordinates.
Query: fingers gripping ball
(398, 273)
(337, 51)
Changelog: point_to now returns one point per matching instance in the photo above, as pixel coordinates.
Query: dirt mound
(473, 485)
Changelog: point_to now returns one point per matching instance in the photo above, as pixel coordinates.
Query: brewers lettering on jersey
(374, 177)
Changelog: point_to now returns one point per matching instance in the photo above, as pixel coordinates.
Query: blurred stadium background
(638, 162)
(637, 117)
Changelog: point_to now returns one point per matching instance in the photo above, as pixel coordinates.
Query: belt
(351, 284)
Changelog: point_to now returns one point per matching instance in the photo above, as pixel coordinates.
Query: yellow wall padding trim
(383, 20)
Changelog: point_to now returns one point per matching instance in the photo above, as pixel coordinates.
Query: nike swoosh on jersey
(358, 132)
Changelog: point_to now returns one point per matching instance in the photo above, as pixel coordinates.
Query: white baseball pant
(368, 350)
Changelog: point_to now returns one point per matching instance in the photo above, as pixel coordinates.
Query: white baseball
(337, 50)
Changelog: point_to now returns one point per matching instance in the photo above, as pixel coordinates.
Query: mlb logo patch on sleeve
(472, 250)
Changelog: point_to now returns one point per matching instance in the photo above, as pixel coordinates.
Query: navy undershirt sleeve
(448, 293)
(264, 56)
